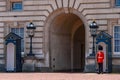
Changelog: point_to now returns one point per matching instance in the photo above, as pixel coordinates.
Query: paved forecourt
(58, 76)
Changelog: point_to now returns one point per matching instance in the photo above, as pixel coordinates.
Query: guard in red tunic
(100, 59)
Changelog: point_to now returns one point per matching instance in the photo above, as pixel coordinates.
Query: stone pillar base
(29, 64)
(91, 64)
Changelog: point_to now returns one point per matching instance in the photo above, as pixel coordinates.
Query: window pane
(17, 6)
(13, 30)
(17, 31)
(116, 29)
(20, 32)
(116, 35)
(117, 2)
(117, 48)
(117, 38)
(117, 42)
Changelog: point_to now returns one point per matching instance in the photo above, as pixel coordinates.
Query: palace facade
(62, 39)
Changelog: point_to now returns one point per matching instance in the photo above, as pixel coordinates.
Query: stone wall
(103, 11)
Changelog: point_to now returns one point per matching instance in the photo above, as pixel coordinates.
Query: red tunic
(100, 57)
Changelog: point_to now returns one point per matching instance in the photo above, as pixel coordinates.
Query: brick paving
(58, 76)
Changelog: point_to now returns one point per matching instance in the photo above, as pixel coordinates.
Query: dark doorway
(79, 50)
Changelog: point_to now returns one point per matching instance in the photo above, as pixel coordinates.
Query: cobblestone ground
(58, 76)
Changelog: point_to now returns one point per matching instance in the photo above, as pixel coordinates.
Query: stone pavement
(58, 76)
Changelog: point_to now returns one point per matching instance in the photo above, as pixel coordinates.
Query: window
(117, 2)
(16, 6)
(20, 32)
(116, 39)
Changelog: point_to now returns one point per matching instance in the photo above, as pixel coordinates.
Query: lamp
(93, 29)
(31, 28)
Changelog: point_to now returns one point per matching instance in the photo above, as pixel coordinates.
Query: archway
(79, 49)
(67, 36)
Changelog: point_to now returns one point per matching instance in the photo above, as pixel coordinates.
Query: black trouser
(100, 67)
